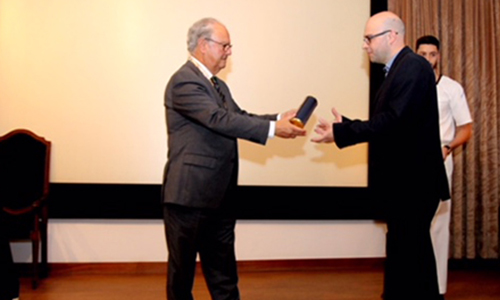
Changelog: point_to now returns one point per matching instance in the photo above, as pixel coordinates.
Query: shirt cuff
(272, 129)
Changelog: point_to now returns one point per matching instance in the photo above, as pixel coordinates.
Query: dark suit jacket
(202, 139)
(403, 135)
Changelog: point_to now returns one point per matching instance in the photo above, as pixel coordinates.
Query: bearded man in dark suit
(203, 124)
(406, 166)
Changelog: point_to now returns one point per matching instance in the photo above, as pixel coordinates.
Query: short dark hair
(428, 39)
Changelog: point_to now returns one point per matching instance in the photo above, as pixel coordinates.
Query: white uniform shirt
(453, 108)
(453, 112)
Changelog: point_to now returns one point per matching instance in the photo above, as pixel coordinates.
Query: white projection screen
(90, 75)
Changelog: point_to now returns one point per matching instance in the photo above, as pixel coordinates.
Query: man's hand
(285, 129)
(289, 114)
(324, 129)
(446, 152)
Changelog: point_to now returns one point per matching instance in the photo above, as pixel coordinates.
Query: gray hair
(201, 29)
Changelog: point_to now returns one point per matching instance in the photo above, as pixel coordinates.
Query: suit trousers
(209, 233)
(410, 270)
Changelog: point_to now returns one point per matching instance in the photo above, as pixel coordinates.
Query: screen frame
(143, 201)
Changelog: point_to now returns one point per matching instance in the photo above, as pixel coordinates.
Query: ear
(202, 45)
(393, 37)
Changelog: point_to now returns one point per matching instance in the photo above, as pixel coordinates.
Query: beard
(435, 65)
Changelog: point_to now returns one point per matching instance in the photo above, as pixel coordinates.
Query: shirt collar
(204, 70)
(388, 65)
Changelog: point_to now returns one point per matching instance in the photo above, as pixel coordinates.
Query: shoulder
(408, 64)
(447, 82)
(450, 88)
(187, 73)
(187, 79)
(187, 69)
(410, 58)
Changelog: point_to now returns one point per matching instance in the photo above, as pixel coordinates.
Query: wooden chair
(24, 187)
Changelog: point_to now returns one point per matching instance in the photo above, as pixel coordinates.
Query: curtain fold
(468, 31)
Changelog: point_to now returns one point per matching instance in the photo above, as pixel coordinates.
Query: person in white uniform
(455, 125)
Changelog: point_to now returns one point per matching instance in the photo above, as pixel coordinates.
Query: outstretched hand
(324, 129)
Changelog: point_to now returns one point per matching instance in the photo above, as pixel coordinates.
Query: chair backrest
(24, 170)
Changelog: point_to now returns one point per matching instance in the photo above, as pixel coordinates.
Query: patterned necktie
(215, 82)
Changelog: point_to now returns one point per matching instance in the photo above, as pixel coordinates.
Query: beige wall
(81, 241)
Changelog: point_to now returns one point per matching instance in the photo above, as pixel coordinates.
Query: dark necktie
(215, 82)
(386, 70)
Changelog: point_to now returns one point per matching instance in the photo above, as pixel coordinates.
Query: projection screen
(90, 75)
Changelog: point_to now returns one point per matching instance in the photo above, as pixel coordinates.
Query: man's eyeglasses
(368, 38)
(225, 47)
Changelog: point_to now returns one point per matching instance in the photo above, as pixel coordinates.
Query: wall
(81, 241)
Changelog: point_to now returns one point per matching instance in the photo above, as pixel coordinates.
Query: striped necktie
(215, 82)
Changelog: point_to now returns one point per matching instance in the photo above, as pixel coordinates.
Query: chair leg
(35, 245)
(44, 267)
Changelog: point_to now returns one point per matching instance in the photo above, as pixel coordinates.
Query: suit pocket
(200, 160)
(204, 180)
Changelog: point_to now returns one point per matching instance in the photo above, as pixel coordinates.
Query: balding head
(389, 20)
(384, 36)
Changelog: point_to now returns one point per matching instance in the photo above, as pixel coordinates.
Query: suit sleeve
(398, 103)
(193, 99)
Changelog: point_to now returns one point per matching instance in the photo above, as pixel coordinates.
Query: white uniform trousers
(440, 233)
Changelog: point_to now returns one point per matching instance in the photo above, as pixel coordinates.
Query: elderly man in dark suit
(406, 164)
(203, 124)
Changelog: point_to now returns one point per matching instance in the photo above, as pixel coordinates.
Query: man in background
(406, 164)
(455, 124)
(9, 283)
(203, 124)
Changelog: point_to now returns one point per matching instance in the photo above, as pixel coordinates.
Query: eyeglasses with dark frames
(368, 38)
(225, 47)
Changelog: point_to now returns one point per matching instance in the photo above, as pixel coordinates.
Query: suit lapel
(380, 96)
(206, 82)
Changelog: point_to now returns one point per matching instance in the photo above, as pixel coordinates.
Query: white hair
(201, 29)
